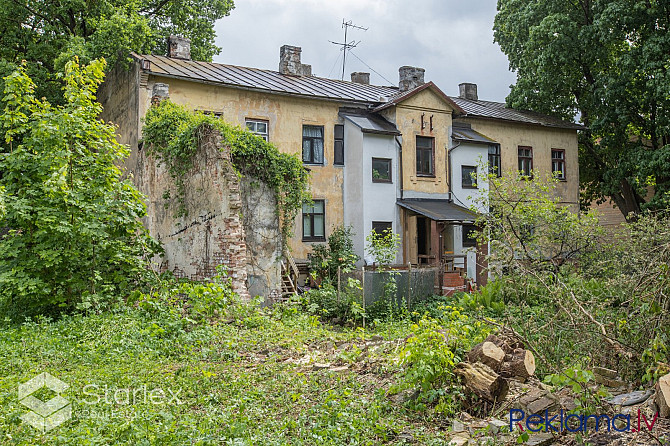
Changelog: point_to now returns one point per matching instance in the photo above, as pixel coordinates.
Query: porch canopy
(441, 210)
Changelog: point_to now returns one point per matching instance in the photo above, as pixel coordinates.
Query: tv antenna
(347, 45)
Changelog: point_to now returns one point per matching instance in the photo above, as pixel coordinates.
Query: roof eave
(264, 90)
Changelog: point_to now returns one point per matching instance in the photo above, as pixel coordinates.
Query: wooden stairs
(289, 275)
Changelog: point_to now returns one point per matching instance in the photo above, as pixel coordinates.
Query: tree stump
(481, 380)
(663, 396)
(520, 365)
(487, 353)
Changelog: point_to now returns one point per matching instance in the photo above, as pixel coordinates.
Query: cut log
(481, 380)
(488, 353)
(507, 343)
(663, 396)
(520, 365)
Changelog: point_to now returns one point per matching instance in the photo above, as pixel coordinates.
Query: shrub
(337, 252)
(74, 238)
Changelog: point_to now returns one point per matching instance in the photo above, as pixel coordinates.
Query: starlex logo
(45, 415)
(578, 423)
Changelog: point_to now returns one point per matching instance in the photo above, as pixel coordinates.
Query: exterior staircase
(289, 275)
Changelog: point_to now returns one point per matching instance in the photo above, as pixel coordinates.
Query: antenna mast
(347, 45)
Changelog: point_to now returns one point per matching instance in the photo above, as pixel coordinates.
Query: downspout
(400, 165)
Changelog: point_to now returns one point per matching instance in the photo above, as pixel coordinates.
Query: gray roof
(499, 110)
(267, 80)
(333, 89)
(439, 210)
(370, 123)
(466, 134)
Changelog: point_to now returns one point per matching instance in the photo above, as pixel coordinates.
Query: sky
(451, 39)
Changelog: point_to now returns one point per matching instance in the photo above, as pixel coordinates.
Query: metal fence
(413, 285)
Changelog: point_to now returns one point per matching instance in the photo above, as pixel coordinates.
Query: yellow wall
(407, 117)
(542, 140)
(286, 116)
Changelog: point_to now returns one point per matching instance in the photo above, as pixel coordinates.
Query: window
(314, 221)
(469, 236)
(526, 160)
(424, 156)
(469, 177)
(558, 163)
(494, 160)
(382, 226)
(338, 157)
(381, 170)
(312, 144)
(258, 127)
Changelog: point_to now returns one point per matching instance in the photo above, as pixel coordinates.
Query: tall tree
(607, 62)
(46, 34)
(71, 234)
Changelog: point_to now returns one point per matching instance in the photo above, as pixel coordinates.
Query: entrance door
(423, 239)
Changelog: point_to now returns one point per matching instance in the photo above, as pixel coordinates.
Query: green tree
(528, 227)
(74, 235)
(607, 61)
(47, 34)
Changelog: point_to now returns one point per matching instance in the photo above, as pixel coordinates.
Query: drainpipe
(400, 165)
(451, 193)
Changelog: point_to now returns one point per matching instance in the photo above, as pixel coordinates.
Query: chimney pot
(179, 48)
(410, 78)
(360, 78)
(467, 91)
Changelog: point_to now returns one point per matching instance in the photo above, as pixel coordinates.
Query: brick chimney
(410, 78)
(179, 48)
(467, 91)
(360, 78)
(289, 62)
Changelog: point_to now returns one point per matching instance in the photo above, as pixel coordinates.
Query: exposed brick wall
(213, 231)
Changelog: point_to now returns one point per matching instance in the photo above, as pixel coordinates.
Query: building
(402, 157)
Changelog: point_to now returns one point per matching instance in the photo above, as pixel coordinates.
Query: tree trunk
(520, 365)
(488, 353)
(482, 381)
(627, 201)
(663, 396)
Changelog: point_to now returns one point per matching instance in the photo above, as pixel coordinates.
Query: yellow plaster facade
(511, 135)
(286, 116)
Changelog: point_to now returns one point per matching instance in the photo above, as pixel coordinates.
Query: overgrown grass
(249, 380)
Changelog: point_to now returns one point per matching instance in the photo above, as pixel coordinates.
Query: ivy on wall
(172, 133)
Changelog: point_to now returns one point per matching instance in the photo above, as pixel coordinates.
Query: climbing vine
(172, 133)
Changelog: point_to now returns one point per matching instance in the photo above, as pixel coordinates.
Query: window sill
(382, 181)
(469, 187)
(315, 239)
(313, 164)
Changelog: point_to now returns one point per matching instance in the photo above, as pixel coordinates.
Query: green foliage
(608, 62)
(172, 133)
(383, 247)
(338, 252)
(431, 353)
(529, 227)
(325, 302)
(75, 238)
(48, 34)
(578, 379)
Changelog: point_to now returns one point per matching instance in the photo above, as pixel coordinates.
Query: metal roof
(438, 210)
(370, 123)
(466, 134)
(333, 89)
(267, 80)
(398, 97)
(498, 110)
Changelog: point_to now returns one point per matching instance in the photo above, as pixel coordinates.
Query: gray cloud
(452, 40)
